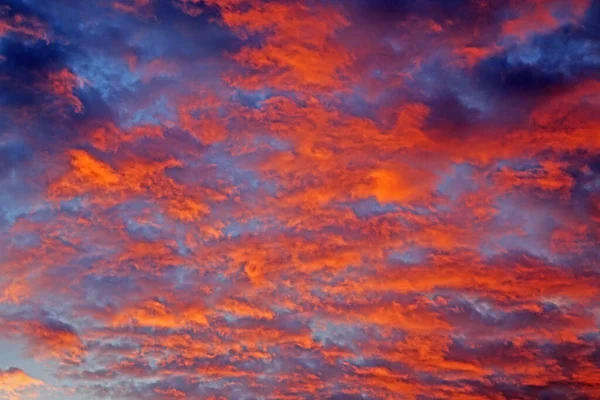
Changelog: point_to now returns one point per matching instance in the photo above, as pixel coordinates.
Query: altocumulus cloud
(236, 199)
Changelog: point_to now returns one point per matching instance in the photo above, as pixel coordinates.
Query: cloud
(282, 199)
(19, 20)
(16, 384)
(46, 337)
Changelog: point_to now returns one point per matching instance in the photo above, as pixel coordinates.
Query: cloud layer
(362, 199)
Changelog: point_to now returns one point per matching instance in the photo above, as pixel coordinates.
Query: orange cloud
(49, 338)
(281, 199)
(299, 47)
(16, 384)
(20, 24)
(539, 16)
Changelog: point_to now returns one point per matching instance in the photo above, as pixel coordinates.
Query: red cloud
(284, 199)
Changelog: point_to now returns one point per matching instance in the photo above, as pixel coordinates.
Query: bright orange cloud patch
(16, 384)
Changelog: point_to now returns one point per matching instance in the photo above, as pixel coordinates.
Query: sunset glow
(286, 199)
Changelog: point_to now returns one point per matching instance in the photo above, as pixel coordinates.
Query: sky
(284, 199)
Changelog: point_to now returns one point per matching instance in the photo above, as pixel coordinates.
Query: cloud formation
(362, 199)
(16, 384)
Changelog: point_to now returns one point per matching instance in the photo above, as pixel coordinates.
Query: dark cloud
(24, 68)
(520, 79)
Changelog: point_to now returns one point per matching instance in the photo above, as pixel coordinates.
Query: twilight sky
(283, 199)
